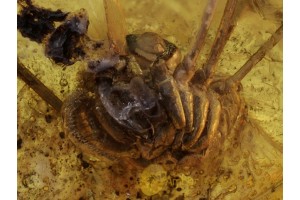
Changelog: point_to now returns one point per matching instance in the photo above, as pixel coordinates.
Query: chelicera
(150, 103)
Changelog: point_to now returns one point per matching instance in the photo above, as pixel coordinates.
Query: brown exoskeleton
(149, 102)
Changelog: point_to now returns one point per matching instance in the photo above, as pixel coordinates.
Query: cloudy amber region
(51, 167)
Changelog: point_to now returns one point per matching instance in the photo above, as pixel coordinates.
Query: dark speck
(48, 119)
(97, 45)
(169, 162)
(85, 164)
(79, 52)
(138, 195)
(181, 197)
(62, 135)
(19, 143)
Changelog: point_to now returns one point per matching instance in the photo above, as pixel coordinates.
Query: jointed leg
(201, 105)
(43, 91)
(185, 72)
(255, 58)
(212, 124)
(224, 31)
(169, 91)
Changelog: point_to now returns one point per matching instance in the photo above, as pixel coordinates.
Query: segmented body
(217, 110)
(151, 103)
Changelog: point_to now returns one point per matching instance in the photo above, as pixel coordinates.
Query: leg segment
(168, 88)
(224, 31)
(185, 72)
(255, 58)
(211, 130)
(201, 105)
(187, 103)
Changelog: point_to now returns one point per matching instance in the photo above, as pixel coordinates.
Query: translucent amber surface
(51, 167)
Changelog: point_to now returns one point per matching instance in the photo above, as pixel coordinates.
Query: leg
(255, 58)
(211, 130)
(185, 72)
(187, 103)
(203, 75)
(169, 91)
(43, 91)
(201, 105)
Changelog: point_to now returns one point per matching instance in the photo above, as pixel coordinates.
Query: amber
(52, 167)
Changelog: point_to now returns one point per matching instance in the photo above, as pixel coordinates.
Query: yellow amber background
(48, 165)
